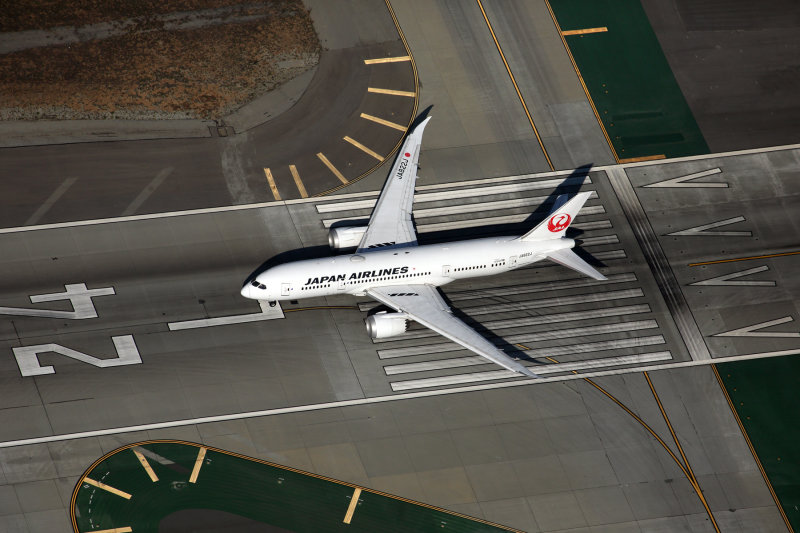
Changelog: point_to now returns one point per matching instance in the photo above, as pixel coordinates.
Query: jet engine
(345, 237)
(383, 325)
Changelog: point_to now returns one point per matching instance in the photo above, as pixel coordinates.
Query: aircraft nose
(247, 291)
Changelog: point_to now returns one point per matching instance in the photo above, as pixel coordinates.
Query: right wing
(390, 224)
(423, 304)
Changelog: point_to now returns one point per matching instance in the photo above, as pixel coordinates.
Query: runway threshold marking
(363, 148)
(391, 92)
(272, 186)
(107, 488)
(201, 454)
(297, 181)
(383, 122)
(516, 87)
(333, 169)
(743, 259)
(351, 509)
(690, 473)
(397, 59)
(147, 468)
(601, 29)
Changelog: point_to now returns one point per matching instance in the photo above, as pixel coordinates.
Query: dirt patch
(148, 72)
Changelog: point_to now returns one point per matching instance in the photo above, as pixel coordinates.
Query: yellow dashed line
(392, 92)
(643, 158)
(146, 465)
(387, 60)
(298, 181)
(351, 509)
(363, 148)
(332, 168)
(383, 122)
(272, 185)
(107, 488)
(201, 454)
(602, 29)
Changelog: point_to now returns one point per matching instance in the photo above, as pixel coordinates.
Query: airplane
(389, 265)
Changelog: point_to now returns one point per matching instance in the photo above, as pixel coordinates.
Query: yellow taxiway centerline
(201, 454)
(351, 509)
(391, 91)
(742, 259)
(383, 122)
(516, 87)
(643, 158)
(387, 60)
(332, 168)
(107, 488)
(272, 186)
(363, 148)
(601, 29)
(298, 181)
(146, 465)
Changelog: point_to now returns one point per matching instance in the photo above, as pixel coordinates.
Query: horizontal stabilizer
(559, 219)
(570, 259)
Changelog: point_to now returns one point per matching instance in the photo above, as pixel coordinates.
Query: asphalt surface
(311, 390)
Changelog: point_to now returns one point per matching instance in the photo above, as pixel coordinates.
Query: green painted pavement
(629, 79)
(766, 395)
(263, 492)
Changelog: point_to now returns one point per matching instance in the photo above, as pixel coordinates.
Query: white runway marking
(267, 313)
(28, 362)
(52, 199)
(383, 399)
(725, 280)
(680, 182)
(79, 296)
(541, 370)
(703, 230)
(455, 362)
(752, 331)
(147, 191)
(523, 338)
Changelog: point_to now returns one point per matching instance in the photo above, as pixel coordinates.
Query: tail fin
(570, 259)
(559, 219)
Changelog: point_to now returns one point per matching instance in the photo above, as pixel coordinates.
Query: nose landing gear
(272, 303)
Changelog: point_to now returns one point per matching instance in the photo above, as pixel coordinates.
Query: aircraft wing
(390, 223)
(424, 304)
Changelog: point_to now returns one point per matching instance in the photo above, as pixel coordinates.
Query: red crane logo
(558, 222)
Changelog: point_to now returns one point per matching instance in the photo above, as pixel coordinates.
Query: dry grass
(199, 73)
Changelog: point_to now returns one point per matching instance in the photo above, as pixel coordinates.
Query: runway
(121, 329)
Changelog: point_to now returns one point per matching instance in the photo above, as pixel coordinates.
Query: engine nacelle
(383, 325)
(345, 237)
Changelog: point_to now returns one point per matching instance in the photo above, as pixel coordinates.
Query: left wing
(423, 304)
(390, 223)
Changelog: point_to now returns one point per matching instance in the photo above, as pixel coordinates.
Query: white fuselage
(432, 264)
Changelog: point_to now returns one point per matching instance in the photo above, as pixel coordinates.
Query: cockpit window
(262, 286)
(254, 283)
